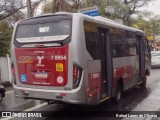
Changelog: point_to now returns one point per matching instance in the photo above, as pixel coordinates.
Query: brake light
(77, 72)
(62, 94)
(74, 74)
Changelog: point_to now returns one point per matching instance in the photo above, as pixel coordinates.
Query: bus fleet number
(59, 57)
(94, 75)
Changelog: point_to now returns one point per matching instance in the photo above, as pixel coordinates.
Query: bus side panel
(13, 57)
(94, 81)
(125, 68)
(78, 56)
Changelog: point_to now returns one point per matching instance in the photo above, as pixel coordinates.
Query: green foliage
(5, 38)
(124, 11)
(147, 22)
(72, 5)
(48, 8)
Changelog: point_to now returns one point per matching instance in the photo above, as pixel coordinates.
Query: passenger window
(123, 43)
(147, 48)
(119, 46)
(91, 39)
(113, 38)
(131, 40)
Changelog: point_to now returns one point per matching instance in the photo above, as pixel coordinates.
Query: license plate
(41, 75)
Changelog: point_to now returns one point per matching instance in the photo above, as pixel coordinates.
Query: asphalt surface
(136, 99)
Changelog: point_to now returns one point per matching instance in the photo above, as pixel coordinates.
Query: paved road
(130, 100)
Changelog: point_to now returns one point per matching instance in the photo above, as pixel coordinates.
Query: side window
(120, 47)
(123, 48)
(138, 38)
(131, 40)
(123, 43)
(147, 48)
(113, 39)
(91, 39)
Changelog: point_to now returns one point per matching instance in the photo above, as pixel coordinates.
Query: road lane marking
(8, 118)
(27, 110)
(36, 107)
(9, 92)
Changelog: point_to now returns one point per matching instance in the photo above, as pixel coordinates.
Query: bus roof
(110, 22)
(97, 19)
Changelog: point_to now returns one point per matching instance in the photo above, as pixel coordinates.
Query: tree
(147, 22)
(126, 8)
(9, 7)
(11, 12)
(5, 38)
(13, 9)
(132, 6)
(51, 6)
(12, 19)
(70, 5)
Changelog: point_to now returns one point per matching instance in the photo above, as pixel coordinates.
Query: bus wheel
(118, 93)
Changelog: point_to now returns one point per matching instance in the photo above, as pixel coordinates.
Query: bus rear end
(41, 63)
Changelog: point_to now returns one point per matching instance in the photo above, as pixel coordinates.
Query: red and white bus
(78, 59)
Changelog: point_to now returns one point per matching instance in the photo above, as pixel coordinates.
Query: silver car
(155, 59)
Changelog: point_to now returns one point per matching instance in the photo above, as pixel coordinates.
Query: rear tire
(118, 93)
(1, 97)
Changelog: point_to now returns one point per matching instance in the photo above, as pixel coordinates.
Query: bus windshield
(43, 32)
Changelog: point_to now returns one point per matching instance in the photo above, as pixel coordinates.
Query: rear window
(55, 30)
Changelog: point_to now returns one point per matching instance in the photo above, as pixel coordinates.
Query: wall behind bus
(4, 70)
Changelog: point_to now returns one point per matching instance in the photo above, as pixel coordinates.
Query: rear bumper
(75, 96)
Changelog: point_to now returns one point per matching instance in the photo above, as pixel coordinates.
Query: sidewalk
(148, 107)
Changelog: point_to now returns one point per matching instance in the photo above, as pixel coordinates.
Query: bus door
(106, 62)
(141, 54)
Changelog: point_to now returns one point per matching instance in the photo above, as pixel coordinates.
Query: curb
(6, 84)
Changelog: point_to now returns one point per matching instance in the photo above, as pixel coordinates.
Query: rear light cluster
(13, 73)
(77, 73)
